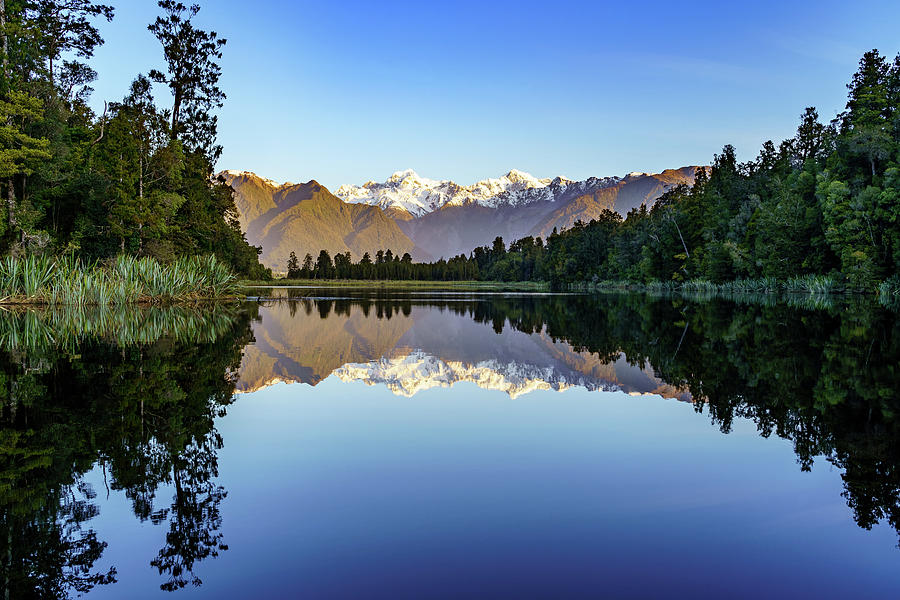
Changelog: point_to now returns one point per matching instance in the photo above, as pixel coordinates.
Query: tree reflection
(821, 374)
(145, 412)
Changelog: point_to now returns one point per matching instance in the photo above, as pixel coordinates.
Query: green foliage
(74, 397)
(19, 151)
(126, 280)
(136, 179)
(819, 213)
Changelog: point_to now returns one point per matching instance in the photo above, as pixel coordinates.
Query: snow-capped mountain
(418, 196)
(230, 174)
(429, 218)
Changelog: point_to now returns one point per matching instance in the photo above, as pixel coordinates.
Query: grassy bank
(807, 284)
(43, 280)
(816, 287)
(525, 286)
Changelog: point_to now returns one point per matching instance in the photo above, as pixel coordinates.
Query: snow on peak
(419, 371)
(232, 174)
(403, 175)
(417, 195)
(636, 174)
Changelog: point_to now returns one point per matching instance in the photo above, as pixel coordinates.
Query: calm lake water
(353, 444)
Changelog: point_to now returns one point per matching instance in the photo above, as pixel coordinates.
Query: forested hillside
(821, 209)
(134, 179)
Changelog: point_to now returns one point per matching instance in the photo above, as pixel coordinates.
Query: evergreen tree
(191, 55)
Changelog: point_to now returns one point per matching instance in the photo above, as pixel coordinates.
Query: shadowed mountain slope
(429, 218)
(306, 218)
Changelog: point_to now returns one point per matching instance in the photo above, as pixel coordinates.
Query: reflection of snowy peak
(418, 196)
(421, 348)
(418, 371)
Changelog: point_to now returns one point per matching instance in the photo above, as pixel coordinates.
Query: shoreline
(534, 286)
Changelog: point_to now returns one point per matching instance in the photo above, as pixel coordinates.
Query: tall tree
(19, 151)
(191, 56)
(65, 26)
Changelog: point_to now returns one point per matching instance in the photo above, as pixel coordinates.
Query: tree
(810, 139)
(146, 168)
(65, 26)
(193, 75)
(498, 249)
(19, 151)
(867, 122)
(307, 270)
(293, 266)
(323, 265)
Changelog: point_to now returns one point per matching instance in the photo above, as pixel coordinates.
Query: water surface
(351, 444)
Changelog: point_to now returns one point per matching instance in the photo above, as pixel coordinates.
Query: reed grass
(889, 292)
(63, 328)
(808, 291)
(124, 280)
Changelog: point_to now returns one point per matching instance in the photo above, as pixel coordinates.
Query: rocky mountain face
(429, 218)
(306, 218)
(530, 208)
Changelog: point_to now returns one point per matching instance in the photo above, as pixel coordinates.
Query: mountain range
(421, 348)
(428, 218)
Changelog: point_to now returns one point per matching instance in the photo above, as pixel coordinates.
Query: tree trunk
(176, 110)
(677, 228)
(11, 205)
(4, 46)
(4, 40)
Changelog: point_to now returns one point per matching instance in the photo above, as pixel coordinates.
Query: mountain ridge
(306, 218)
(427, 217)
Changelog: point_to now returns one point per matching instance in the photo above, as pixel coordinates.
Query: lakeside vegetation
(135, 178)
(33, 329)
(819, 213)
(401, 284)
(125, 280)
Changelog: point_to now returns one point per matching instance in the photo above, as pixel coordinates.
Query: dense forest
(135, 179)
(819, 209)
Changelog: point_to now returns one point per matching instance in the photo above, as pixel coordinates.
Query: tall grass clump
(812, 284)
(889, 292)
(124, 280)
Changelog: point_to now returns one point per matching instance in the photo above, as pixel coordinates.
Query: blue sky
(344, 92)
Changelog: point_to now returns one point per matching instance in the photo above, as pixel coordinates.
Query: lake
(349, 443)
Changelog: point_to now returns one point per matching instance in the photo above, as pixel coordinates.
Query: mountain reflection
(412, 345)
(825, 379)
(138, 394)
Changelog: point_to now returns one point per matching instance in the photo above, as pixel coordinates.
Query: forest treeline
(825, 202)
(137, 178)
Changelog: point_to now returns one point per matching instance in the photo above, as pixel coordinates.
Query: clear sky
(344, 92)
